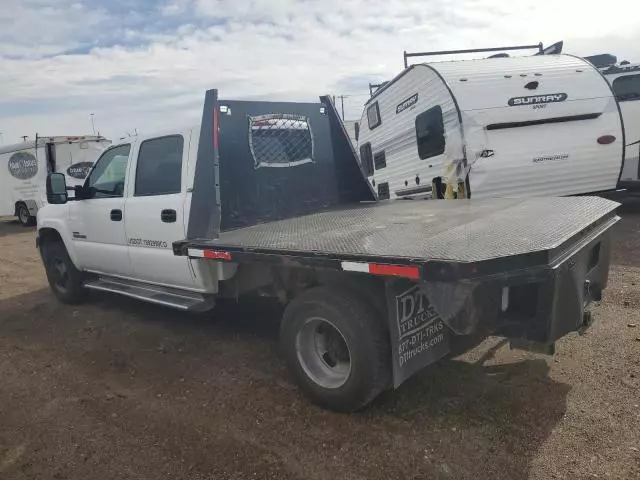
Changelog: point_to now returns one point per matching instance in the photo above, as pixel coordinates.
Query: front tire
(64, 278)
(24, 216)
(336, 348)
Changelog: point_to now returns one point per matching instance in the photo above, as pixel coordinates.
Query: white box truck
(24, 168)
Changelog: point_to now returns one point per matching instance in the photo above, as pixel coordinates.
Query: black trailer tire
(65, 280)
(24, 216)
(339, 380)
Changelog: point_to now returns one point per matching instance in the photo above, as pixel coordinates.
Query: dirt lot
(118, 389)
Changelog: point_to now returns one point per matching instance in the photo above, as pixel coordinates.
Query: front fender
(60, 227)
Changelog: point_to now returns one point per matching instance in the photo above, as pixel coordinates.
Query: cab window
(159, 168)
(107, 178)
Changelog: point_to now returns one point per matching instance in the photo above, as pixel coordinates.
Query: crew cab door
(97, 220)
(155, 211)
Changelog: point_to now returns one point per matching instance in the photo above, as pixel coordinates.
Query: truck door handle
(116, 215)
(168, 216)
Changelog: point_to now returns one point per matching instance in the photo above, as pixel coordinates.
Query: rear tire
(24, 216)
(336, 348)
(64, 278)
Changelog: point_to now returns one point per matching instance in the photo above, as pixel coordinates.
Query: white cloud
(153, 71)
(174, 7)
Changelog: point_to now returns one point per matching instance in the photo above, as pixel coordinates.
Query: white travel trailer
(24, 168)
(625, 81)
(509, 126)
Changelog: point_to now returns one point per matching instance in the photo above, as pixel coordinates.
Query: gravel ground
(115, 389)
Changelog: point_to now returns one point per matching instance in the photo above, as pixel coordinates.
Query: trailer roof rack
(375, 86)
(538, 46)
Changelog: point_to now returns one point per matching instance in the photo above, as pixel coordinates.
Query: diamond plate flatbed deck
(460, 231)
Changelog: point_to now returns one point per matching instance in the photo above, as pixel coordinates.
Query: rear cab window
(159, 168)
(627, 88)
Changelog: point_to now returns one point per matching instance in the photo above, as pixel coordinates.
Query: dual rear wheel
(336, 347)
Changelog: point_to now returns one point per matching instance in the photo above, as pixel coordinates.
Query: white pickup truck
(268, 199)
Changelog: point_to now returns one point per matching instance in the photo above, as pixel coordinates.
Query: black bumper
(532, 307)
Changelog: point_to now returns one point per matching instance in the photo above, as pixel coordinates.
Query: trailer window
(373, 116)
(627, 88)
(379, 160)
(366, 157)
(280, 140)
(159, 168)
(430, 133)
(107, 177)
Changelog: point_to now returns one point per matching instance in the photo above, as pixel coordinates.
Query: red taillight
(216, 255)
(606, 139)
(409, 271)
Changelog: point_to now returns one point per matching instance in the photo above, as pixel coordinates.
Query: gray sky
(145, 64)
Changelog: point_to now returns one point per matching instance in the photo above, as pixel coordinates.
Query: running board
(169, 297)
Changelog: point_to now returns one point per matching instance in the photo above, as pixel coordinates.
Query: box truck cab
(511, 126)
(24, 168)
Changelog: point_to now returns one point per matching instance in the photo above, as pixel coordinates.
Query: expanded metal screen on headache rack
(280, 140)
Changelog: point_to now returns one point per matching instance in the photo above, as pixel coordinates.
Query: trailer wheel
(24, 216)
(64, 278)
(336, 348)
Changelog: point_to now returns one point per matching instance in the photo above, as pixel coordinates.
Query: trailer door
(627, 91)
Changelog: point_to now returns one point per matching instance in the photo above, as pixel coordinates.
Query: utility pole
(24, 137)
(93, 126)
(341, 97)
(1, 138)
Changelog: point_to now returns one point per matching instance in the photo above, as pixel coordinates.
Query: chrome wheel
(323, 353)
(23, 215)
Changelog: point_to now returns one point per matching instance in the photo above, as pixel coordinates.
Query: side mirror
(56, 188)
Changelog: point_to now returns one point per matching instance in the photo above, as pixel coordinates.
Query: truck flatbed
(423, 232)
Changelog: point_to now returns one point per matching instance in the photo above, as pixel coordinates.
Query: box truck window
(430, 133)
(159, 169)
(627, 88)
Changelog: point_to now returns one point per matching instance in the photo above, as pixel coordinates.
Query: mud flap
(419, 337)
